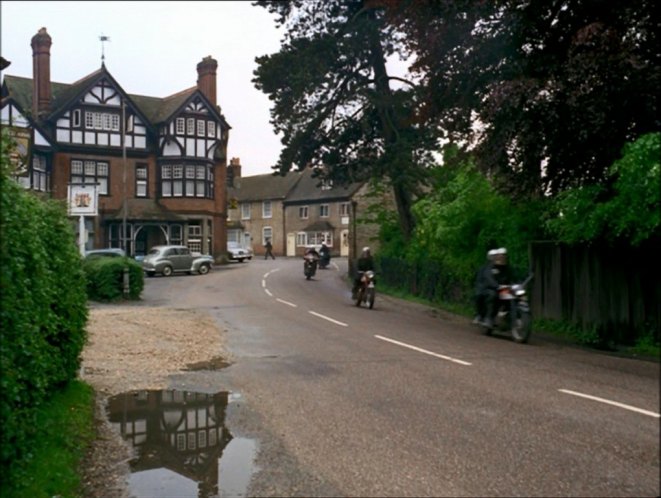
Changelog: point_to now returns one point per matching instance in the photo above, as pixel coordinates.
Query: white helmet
(491, 253)
(366, 249)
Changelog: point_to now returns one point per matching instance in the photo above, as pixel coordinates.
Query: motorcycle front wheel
(521, 325)
(370, 297)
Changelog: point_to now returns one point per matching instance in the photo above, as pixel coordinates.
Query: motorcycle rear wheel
(359, 296)
(521, 326)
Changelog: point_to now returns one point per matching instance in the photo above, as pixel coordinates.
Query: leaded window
(91, 172)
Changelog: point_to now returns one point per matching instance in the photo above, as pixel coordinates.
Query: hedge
(43, 312)
(105, 278)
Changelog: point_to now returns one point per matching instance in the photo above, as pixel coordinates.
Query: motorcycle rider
(492, 275)
(312, 256)
(324, 255)
(365, 263)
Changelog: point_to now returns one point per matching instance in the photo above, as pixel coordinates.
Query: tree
(333, 99)
(556, 87)
(625, 209)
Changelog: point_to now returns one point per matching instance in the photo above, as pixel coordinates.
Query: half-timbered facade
(159, 163)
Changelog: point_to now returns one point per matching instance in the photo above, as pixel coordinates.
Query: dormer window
(201, 128)
(76, 118)
(190, 126)
(211, 129)
(181, 126)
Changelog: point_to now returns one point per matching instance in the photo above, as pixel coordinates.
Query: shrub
(43, 312)
(105, 278)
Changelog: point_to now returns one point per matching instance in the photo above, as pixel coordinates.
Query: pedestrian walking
(269, 249)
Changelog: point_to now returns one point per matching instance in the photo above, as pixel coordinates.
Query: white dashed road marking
(420, 350)
(609, 402)
(329, 319)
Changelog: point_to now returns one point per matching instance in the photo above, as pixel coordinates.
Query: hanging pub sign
(19, 155)
(82, 199)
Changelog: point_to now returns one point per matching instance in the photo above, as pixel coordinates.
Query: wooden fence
(615, 290)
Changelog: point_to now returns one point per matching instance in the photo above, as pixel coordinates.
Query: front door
(291, 244)
(344, 243)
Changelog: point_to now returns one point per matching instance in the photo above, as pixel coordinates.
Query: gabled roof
(19, 89)
(153, 109)
(264, 187)
(308, 190)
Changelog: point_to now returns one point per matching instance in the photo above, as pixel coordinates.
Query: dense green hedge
(105, 278)
(43, 311)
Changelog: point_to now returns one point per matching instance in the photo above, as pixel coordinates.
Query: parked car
(112, 252)
(237, 253)
(167, 260)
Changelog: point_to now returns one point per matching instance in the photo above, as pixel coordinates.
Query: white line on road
(264, 283)
(415, 348)
(609, 402)
(286, 302)
(327, 318)
(268, 292)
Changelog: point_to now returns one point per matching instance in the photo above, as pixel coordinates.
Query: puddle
(213, 364)
(181, 445)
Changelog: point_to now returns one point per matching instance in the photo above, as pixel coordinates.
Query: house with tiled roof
(316, 212)
(256, 208)
(157, 166)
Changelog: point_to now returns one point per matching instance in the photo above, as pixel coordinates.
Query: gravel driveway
(133, 347)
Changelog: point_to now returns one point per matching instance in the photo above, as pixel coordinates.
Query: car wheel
(203, 270)
(240, 260)
(167, 271)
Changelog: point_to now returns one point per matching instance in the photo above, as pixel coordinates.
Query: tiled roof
(264, 187)
(156, 110)
(308, 189)
(20, 89)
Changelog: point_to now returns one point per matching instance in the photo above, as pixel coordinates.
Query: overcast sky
(153, 50)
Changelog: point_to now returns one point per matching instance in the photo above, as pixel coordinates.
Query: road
(403, 400)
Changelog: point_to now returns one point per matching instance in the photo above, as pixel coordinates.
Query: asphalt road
(403, 400)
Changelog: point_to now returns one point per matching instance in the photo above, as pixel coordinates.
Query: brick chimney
(41, 93)
(234, 172)
(206, 78)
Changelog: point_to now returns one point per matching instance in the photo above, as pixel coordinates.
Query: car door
(184, 259)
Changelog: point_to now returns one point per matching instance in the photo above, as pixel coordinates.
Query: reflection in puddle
(181, 445)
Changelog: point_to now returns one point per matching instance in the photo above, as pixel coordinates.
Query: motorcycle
(324, 261)
(309, 266)
(513, 312)
(366, 290)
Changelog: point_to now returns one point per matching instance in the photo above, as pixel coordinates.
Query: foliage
(333, 100)
(626, 208)
(105, 278)
(64, 429)
(43, 310)
(457, 222)
(546, 93)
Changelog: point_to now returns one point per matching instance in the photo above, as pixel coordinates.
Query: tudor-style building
(159, 163)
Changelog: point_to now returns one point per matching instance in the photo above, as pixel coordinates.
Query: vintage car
(167, 260)
(237, 253)
(109, 252)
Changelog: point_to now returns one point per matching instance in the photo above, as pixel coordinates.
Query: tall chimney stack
(206, 78)
(41, 93)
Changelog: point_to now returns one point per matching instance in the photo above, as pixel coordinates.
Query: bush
(43, 313)
(105, 278)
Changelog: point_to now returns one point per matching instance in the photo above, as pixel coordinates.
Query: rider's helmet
(491, 254)
(500, 257)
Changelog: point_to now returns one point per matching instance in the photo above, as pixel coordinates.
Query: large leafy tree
(334, 101)
(546, 93)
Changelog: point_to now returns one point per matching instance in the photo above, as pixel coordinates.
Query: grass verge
(65, 430)
(645, 347)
